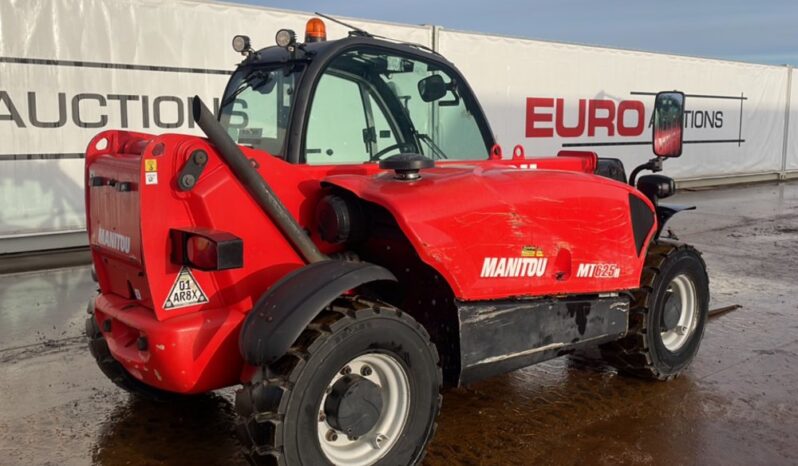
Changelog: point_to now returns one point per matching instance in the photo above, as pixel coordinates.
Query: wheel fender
(283, 312)
(666, 211)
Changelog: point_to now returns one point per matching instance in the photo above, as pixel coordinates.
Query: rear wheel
(115, 371)
(668, 315)
(360, 386)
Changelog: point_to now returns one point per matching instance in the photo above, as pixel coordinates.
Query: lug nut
(378, 440)
(365, 371)
(322, 417)
(331, 436)
(346, 370)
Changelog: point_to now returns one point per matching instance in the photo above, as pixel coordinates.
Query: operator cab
(350, 101)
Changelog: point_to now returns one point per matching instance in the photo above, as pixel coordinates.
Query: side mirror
(432, 88)
(668, 124)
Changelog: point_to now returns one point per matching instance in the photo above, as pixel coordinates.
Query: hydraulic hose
(254, 184)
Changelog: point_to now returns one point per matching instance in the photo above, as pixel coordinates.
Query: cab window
(371, 104)
(345, 124)
(256, 107)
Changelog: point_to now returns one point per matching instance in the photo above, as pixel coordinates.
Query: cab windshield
(394, 104)
(256, 106)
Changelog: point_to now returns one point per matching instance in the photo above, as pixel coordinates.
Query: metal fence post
(786, 146)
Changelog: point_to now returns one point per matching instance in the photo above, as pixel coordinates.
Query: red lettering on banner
(533, 116)
(574, 131)
(627, 118)
(607, 121)
(631, 106)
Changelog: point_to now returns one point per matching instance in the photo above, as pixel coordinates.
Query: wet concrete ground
(735, 405)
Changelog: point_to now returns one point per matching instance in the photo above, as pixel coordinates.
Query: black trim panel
(500, 336)
(642, 221)
(283, 312)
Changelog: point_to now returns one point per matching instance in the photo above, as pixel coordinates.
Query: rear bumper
(192, 353)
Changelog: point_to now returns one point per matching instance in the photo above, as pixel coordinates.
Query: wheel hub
(671, 312)
(354, 405)
(680, 313)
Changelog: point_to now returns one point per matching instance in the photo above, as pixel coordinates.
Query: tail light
(206, 249)
(315, 31)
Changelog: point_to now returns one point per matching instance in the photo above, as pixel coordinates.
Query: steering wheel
(400, 145)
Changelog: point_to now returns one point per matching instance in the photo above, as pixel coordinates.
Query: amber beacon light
(315, 31)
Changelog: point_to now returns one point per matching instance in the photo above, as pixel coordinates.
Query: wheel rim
(389, 374)
(681, 293)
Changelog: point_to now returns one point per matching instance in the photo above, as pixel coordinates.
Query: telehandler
(349, 238)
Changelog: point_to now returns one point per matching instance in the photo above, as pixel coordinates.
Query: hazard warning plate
(185, 292)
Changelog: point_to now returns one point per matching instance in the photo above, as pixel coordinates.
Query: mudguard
(283, 312)
(666, 211)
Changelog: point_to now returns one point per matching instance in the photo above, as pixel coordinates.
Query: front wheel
(360, 386)
(668, 316)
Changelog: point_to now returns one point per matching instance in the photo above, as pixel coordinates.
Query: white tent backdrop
(71, 68)
(735, 111)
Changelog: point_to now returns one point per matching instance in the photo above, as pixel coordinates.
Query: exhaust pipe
(254, 183)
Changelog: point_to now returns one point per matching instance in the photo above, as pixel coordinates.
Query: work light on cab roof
(242, 45)
(285, 38)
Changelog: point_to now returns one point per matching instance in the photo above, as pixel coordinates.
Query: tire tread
(340, 314)
(631, 354)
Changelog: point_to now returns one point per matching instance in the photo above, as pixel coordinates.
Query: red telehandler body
(348, 239)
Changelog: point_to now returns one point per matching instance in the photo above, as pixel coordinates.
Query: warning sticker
(185, 292)
(150, 165)
(151, 178)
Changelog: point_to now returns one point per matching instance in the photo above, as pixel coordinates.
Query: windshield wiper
(434, 147)
(248, 83)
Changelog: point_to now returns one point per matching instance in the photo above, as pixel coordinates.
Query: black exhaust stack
(254, 183)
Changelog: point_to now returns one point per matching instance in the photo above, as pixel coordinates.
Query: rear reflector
(206, 249)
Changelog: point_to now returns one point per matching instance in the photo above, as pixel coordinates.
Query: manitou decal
(113, 240)
(598, 271)
(513, 267)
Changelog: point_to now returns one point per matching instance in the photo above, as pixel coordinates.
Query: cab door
(371, 103)
(347, 124)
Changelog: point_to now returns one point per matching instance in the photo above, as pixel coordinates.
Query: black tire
(115, 371)
(279, 410)
(642, 352)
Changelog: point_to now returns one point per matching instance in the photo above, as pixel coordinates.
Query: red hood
(459, 215)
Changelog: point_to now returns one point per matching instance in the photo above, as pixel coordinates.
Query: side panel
(497, 232)
(497, 337)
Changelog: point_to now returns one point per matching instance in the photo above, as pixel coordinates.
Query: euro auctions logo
(612, 121)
